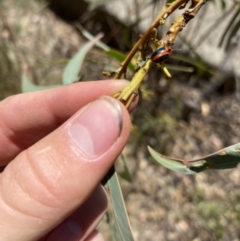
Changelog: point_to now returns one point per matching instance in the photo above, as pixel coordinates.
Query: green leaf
(28, 86)
(180, 68)
(113, 53)
(71, 71)
(119, 56)
(122, 230)
(198, 63)
(226, 158)
(170, 163)
(170, 1)
(126, 175)
(90, 37)
(223, 4)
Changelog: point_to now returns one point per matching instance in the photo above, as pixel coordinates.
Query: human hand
(56, 148)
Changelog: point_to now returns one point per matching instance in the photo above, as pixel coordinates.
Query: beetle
(161, 55)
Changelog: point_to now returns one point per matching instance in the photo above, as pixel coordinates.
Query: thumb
(46, 183)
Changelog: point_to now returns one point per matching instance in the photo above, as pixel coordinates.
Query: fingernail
(69, 230)
(97, 127)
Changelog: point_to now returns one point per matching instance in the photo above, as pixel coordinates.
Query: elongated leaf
(122, 225)
(113, 53)
(28, 86)
(90, 37)
(170, 1)
(174, 165)
(119, 56)
(126, 175)
(233, 32)
(71, 71)
(180, 68)
(223, 4)
(226, 158)
(229, 26)
(198, 63)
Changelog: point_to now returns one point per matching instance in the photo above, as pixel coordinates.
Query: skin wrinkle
(13, 209)
(66, 160)
(36, 174)
(43, 150)
(70, 159)
(5, 128)
(21, 211)
(31, 196)
(9, 136)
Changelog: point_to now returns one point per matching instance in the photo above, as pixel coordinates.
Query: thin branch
(162, 16)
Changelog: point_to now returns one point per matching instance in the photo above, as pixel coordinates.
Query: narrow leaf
(233, 32)
(223, 4)
(226, 158)
(113, 53)
(126, 175)
(122, 225)
(230, 24)
(90, 37)
(198, 63)
(170, 163)
(119, 56)
(28, 86)
(71, 71)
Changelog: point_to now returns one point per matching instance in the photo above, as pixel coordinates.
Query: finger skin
(26, 118)
(46, 183)
(94, 236)
(83, 221)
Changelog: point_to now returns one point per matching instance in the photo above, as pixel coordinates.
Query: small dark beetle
(162, 54)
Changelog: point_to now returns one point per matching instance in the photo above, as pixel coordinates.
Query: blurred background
(194, 113)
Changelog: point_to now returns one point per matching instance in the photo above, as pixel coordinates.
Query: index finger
(27, 118)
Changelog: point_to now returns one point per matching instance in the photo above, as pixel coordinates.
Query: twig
(127, 95)
(162, 16)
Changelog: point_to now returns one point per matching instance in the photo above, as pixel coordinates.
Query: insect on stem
(163, 47)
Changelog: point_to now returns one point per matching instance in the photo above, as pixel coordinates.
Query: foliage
(226, 158)
(232, 29)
